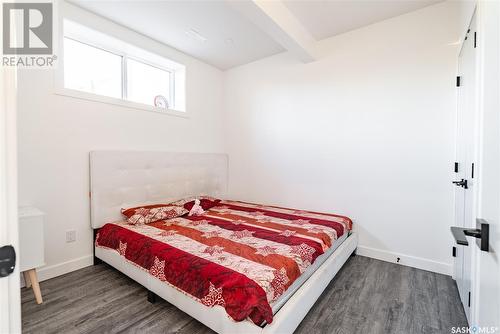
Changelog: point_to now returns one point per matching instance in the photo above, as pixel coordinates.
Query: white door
(465, 173)
(10, 303)
(486, 287)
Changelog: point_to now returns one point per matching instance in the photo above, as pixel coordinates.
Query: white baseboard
(406, 260)
(48, 272)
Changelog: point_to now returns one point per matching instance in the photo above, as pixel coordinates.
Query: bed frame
(127, 178)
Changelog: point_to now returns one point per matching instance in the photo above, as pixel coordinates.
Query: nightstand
(31, 247)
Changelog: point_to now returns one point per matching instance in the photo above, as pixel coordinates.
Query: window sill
(118, 102)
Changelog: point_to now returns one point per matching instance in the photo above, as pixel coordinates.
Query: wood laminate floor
(366, 296)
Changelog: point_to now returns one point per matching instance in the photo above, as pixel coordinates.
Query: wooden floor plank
(366, 296)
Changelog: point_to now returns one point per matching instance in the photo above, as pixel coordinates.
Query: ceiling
(325, 19)
(216, 33)
(231, 40)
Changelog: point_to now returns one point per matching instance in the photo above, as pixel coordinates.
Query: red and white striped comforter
(238, 255)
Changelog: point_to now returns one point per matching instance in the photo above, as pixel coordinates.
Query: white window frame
(60, 89)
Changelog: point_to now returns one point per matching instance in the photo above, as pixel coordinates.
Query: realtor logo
(27, 28)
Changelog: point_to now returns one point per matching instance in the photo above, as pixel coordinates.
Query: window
(102, 67)
(145, 83)
(92, 70)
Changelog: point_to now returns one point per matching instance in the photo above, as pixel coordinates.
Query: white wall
(366, 131)
(57, 132)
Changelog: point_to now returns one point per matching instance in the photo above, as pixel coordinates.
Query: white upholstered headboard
(121, 179)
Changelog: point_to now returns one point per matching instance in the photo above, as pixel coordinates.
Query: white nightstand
(31, 247)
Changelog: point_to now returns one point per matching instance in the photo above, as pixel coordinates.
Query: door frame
(466, 142)
(10, 301)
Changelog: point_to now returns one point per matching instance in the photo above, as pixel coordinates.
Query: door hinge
(472, 172)
(454, 251)
(468, 303)
(458, 81)
(456, 167)
(475, 39)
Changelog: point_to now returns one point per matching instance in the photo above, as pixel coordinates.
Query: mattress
(247, 258)
(308, 273)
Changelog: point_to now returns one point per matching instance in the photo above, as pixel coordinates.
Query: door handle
(481, 233)
(462, 183)
(7, 260)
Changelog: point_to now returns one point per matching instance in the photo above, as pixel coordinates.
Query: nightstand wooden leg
(27, 281)
(36, 286)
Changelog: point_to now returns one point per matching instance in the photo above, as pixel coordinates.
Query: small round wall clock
(161, 102)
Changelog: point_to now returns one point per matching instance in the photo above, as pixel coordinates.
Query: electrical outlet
(71, 236)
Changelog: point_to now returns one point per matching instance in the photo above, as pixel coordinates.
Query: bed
(238, 267)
